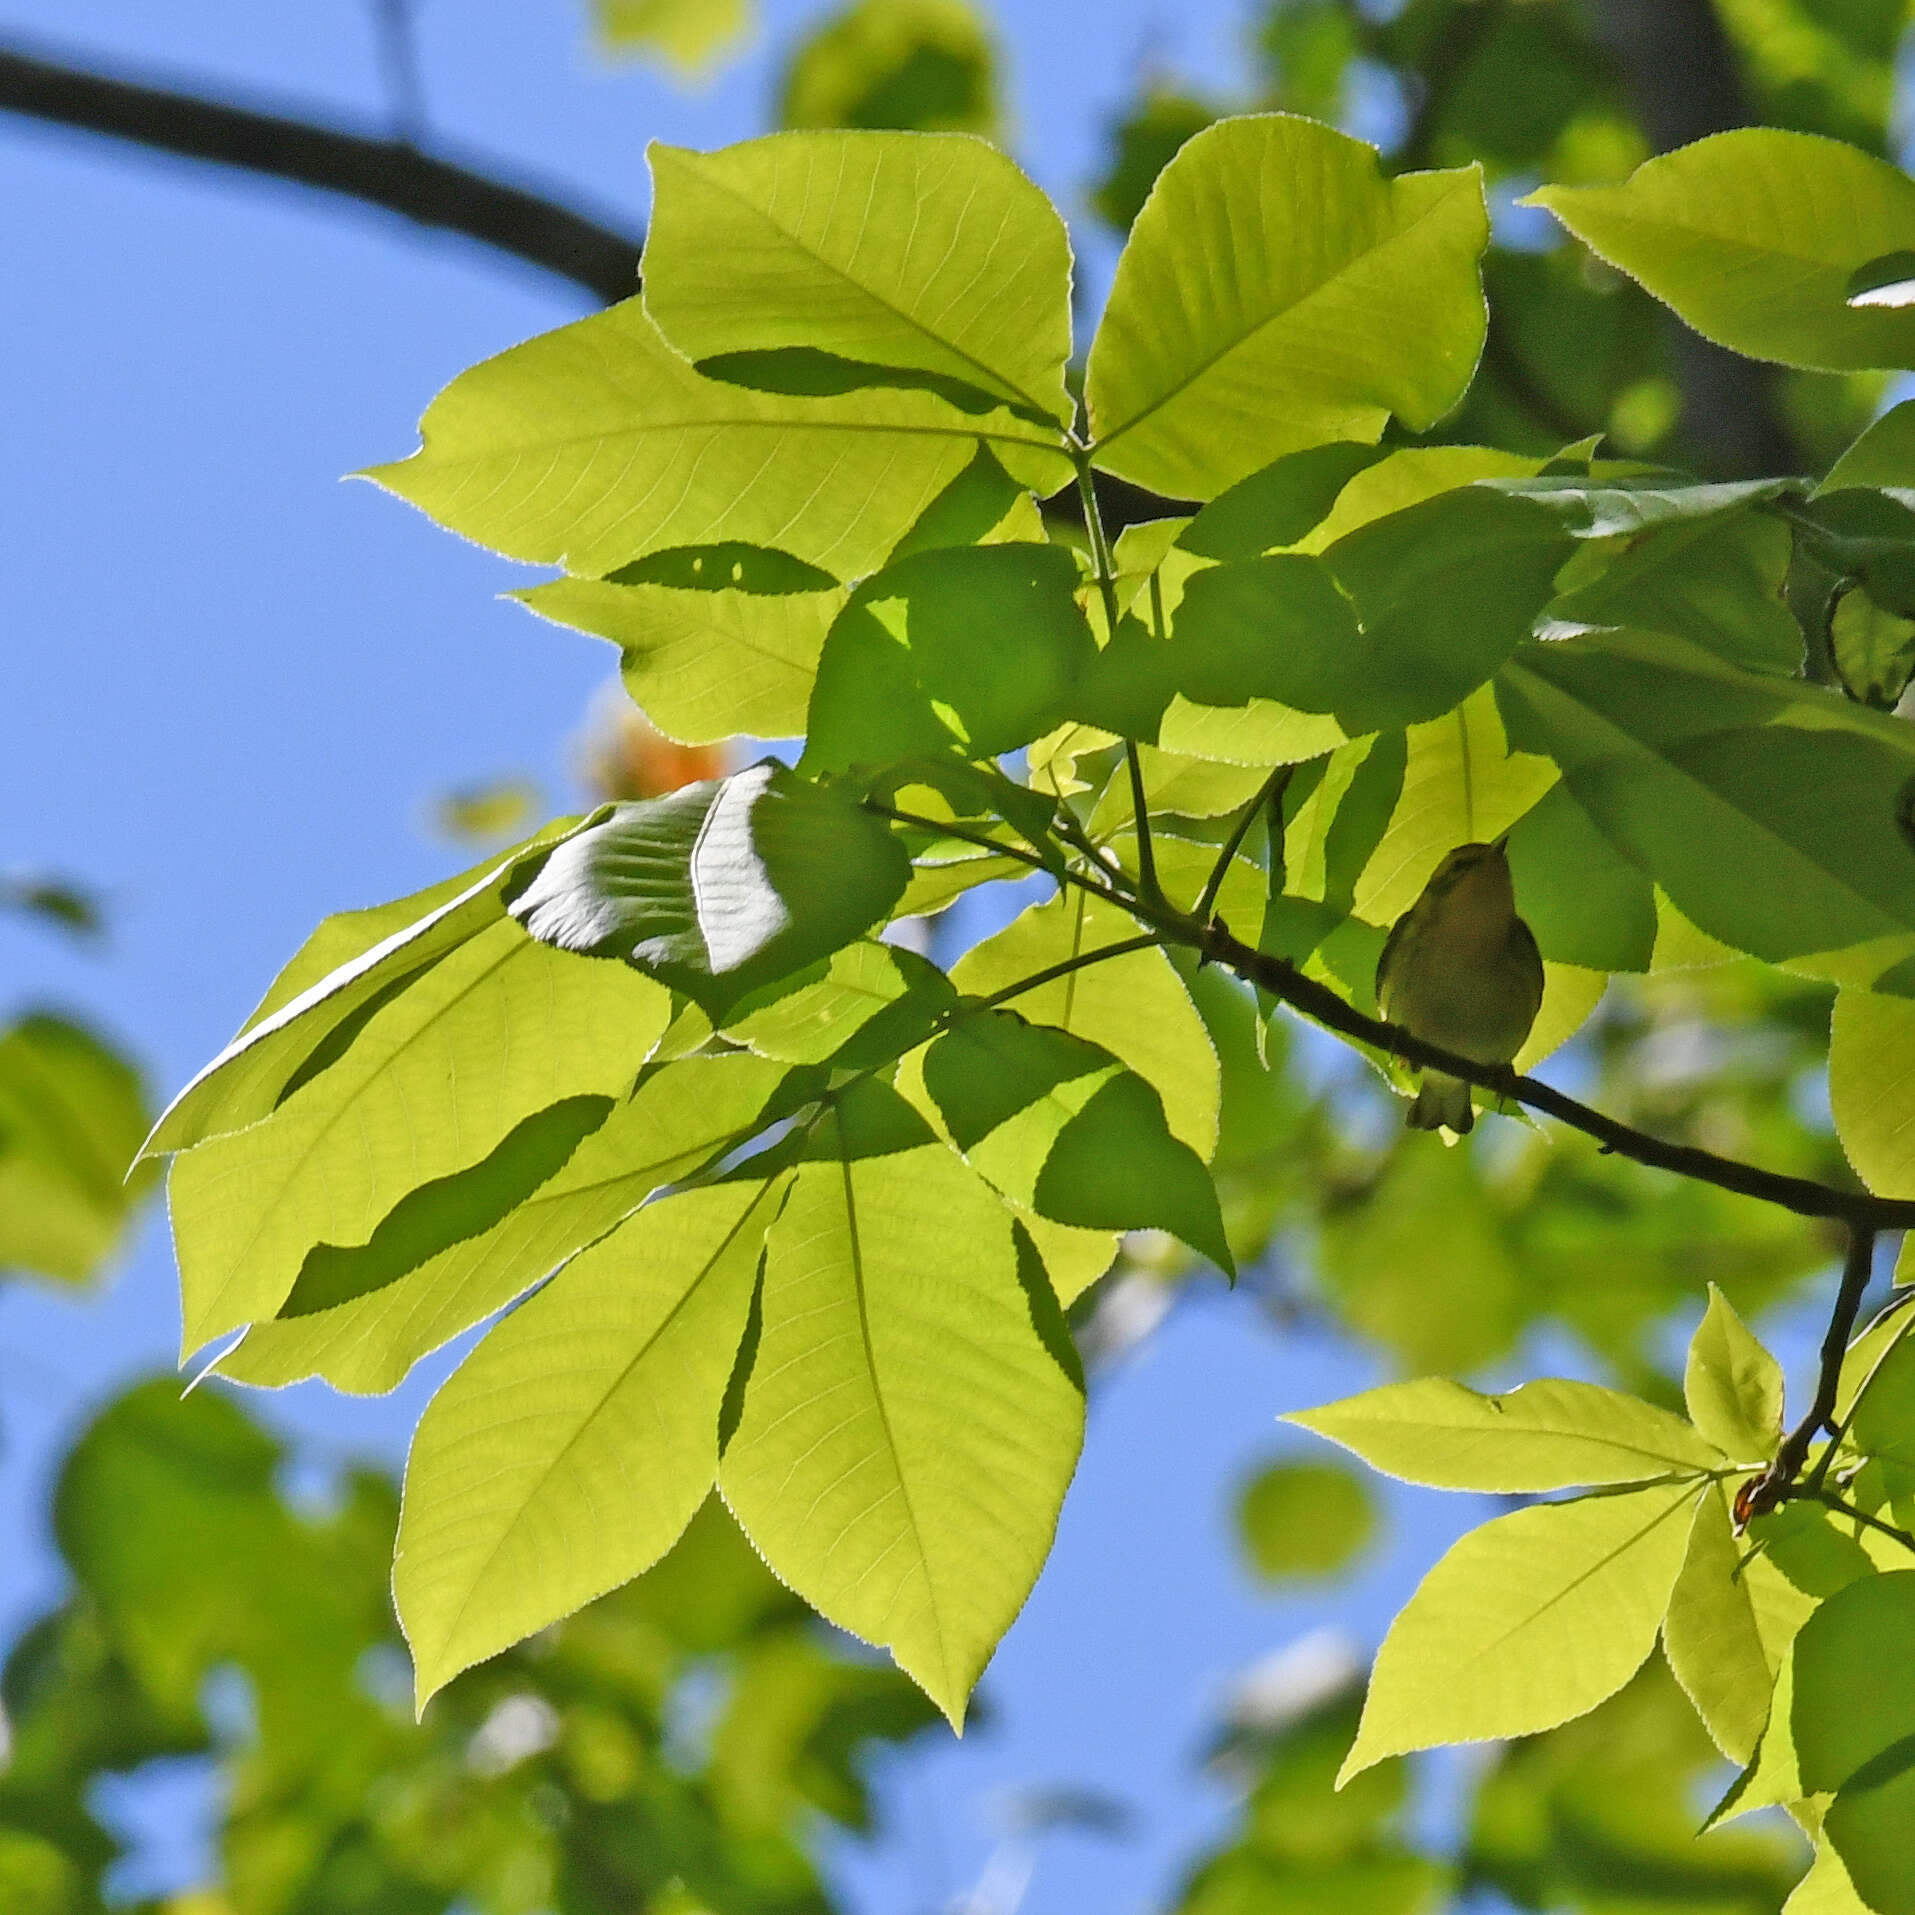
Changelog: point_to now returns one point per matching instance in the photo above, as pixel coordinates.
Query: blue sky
(233, 686)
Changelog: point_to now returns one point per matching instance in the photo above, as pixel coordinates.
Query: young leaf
(1550, 1434)
(1715, 1639)
(1872, 1088)
(1754, 237)
(930, 252)
(1279, 292)
(677, 1120)
(912, 1416)
(1461, 785)
(723, 886)
(347, 969)
(1695, 770)
(1528, 1621)
(1853, 1718)
(703, 665)
(1135, 1006)
(575, 1443)
(861, 984)
(592, 445)
(498, 1029)
(1059, 1125)
(1732, 1385)
(972, 648)
(1884, 1410)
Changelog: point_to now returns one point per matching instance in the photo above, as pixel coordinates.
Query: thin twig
(1148, 941)
(1831, 1501)
(529, 225)
(1269, 789)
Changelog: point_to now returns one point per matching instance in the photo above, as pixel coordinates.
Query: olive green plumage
(1461, 969)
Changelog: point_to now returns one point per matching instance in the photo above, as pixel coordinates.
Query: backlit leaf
(1527, 1622)
(1732, 1385)
(912, 1415)
(597, 443)
(571, 1448)
(1754, 237)
(893, 250)
(1551, 1434)
(1279, 292)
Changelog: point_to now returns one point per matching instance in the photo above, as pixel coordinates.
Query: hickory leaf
(575, 1443)
(595, 444)
(899, 250)
(1528, 1621)
(913, 1413)
(1279, 292)
(1551, 1434)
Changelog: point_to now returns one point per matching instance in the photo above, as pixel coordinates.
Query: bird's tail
(1442, 1103)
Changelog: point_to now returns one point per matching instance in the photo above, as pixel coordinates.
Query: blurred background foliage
(675, 1747)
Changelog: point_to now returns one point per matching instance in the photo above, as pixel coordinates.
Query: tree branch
(518, 220)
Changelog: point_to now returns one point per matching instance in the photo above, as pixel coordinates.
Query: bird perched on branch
(1460, 969)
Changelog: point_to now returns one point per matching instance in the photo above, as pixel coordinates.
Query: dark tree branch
(520, 221)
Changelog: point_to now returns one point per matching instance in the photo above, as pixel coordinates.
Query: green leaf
(1883, 1414)
(1853, 1718)
(1872, 1088)
(1825, 1889)
(1135, 1006)
(1461, 785)
(1728, 1623)
(1279, 292)
(890, 995)
(438, 1076)
(1394, 623)
(1703, 775)
(595, 444)
(1550, 1434)
(1586, 903)
(1732, 1385)
(1754, 237)
(1278, 505)
(1883, 456)
(568, 1452)
(679, 1118)
(900, 250)
(1304, 1519)
(1623, 505)
(72, 1113)
(350, 967)
(912, 1415)
(929, 65)
(1528, 1621)
(1873, 650)
(703, 665)
(967, 647)
(1059, 1125)
(721, 887)
(688, 35)
(1714, 579)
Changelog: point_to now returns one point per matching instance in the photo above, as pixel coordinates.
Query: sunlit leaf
(597, 443)
(571, 1448)
(887, 250)
(1732, 1385)
(721, 887)
(1278, 292)
(688, 35)
(1552, 1434)
(928, 65)
(912, 1414)
(499, 1028)
(1755, 237)
(1527, 1622)
(1304, 1519)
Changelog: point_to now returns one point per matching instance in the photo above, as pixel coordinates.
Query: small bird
(1461, 969)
